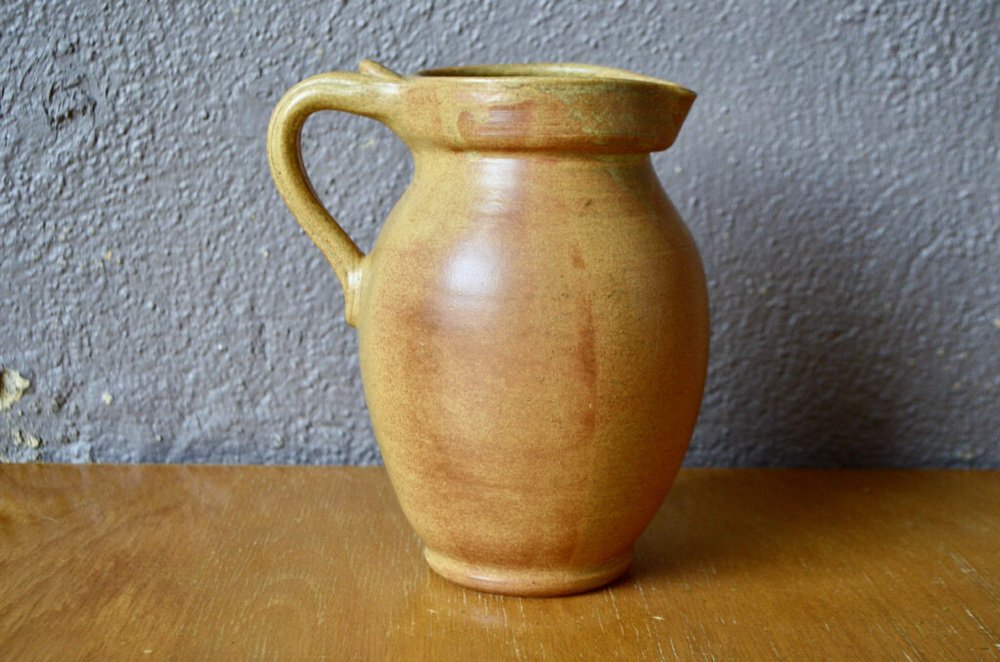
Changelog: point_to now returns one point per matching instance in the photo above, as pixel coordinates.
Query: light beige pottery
(532, 320)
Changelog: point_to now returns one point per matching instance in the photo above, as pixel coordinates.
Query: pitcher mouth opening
(572, 72)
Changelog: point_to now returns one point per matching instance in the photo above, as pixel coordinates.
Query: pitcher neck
(547, 108)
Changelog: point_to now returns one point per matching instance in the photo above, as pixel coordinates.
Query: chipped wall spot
(12, 386)
(107, 398)
(22, 438)
(68, 101)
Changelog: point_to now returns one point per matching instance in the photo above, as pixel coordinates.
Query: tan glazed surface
(532, 320)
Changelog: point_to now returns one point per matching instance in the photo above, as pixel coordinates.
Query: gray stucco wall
(839, 171)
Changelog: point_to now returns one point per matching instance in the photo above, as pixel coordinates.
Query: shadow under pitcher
(532, 319)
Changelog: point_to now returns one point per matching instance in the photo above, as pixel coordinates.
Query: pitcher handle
(372, 93)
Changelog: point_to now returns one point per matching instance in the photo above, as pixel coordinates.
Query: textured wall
(839, 171)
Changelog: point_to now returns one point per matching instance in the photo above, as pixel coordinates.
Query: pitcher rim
(527, 73)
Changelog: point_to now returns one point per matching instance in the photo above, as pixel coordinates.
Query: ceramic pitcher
(532, 319)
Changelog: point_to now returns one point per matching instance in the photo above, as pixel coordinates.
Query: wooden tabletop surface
(301, 563)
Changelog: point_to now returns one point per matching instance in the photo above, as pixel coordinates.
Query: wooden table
(211, 563)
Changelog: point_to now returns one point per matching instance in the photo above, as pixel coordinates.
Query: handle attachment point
(373, 68)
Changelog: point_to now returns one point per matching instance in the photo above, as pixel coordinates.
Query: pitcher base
(526, 581)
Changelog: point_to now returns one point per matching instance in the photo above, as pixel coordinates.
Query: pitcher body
(532, 320)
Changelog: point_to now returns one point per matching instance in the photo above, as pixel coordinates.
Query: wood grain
(197, 562)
